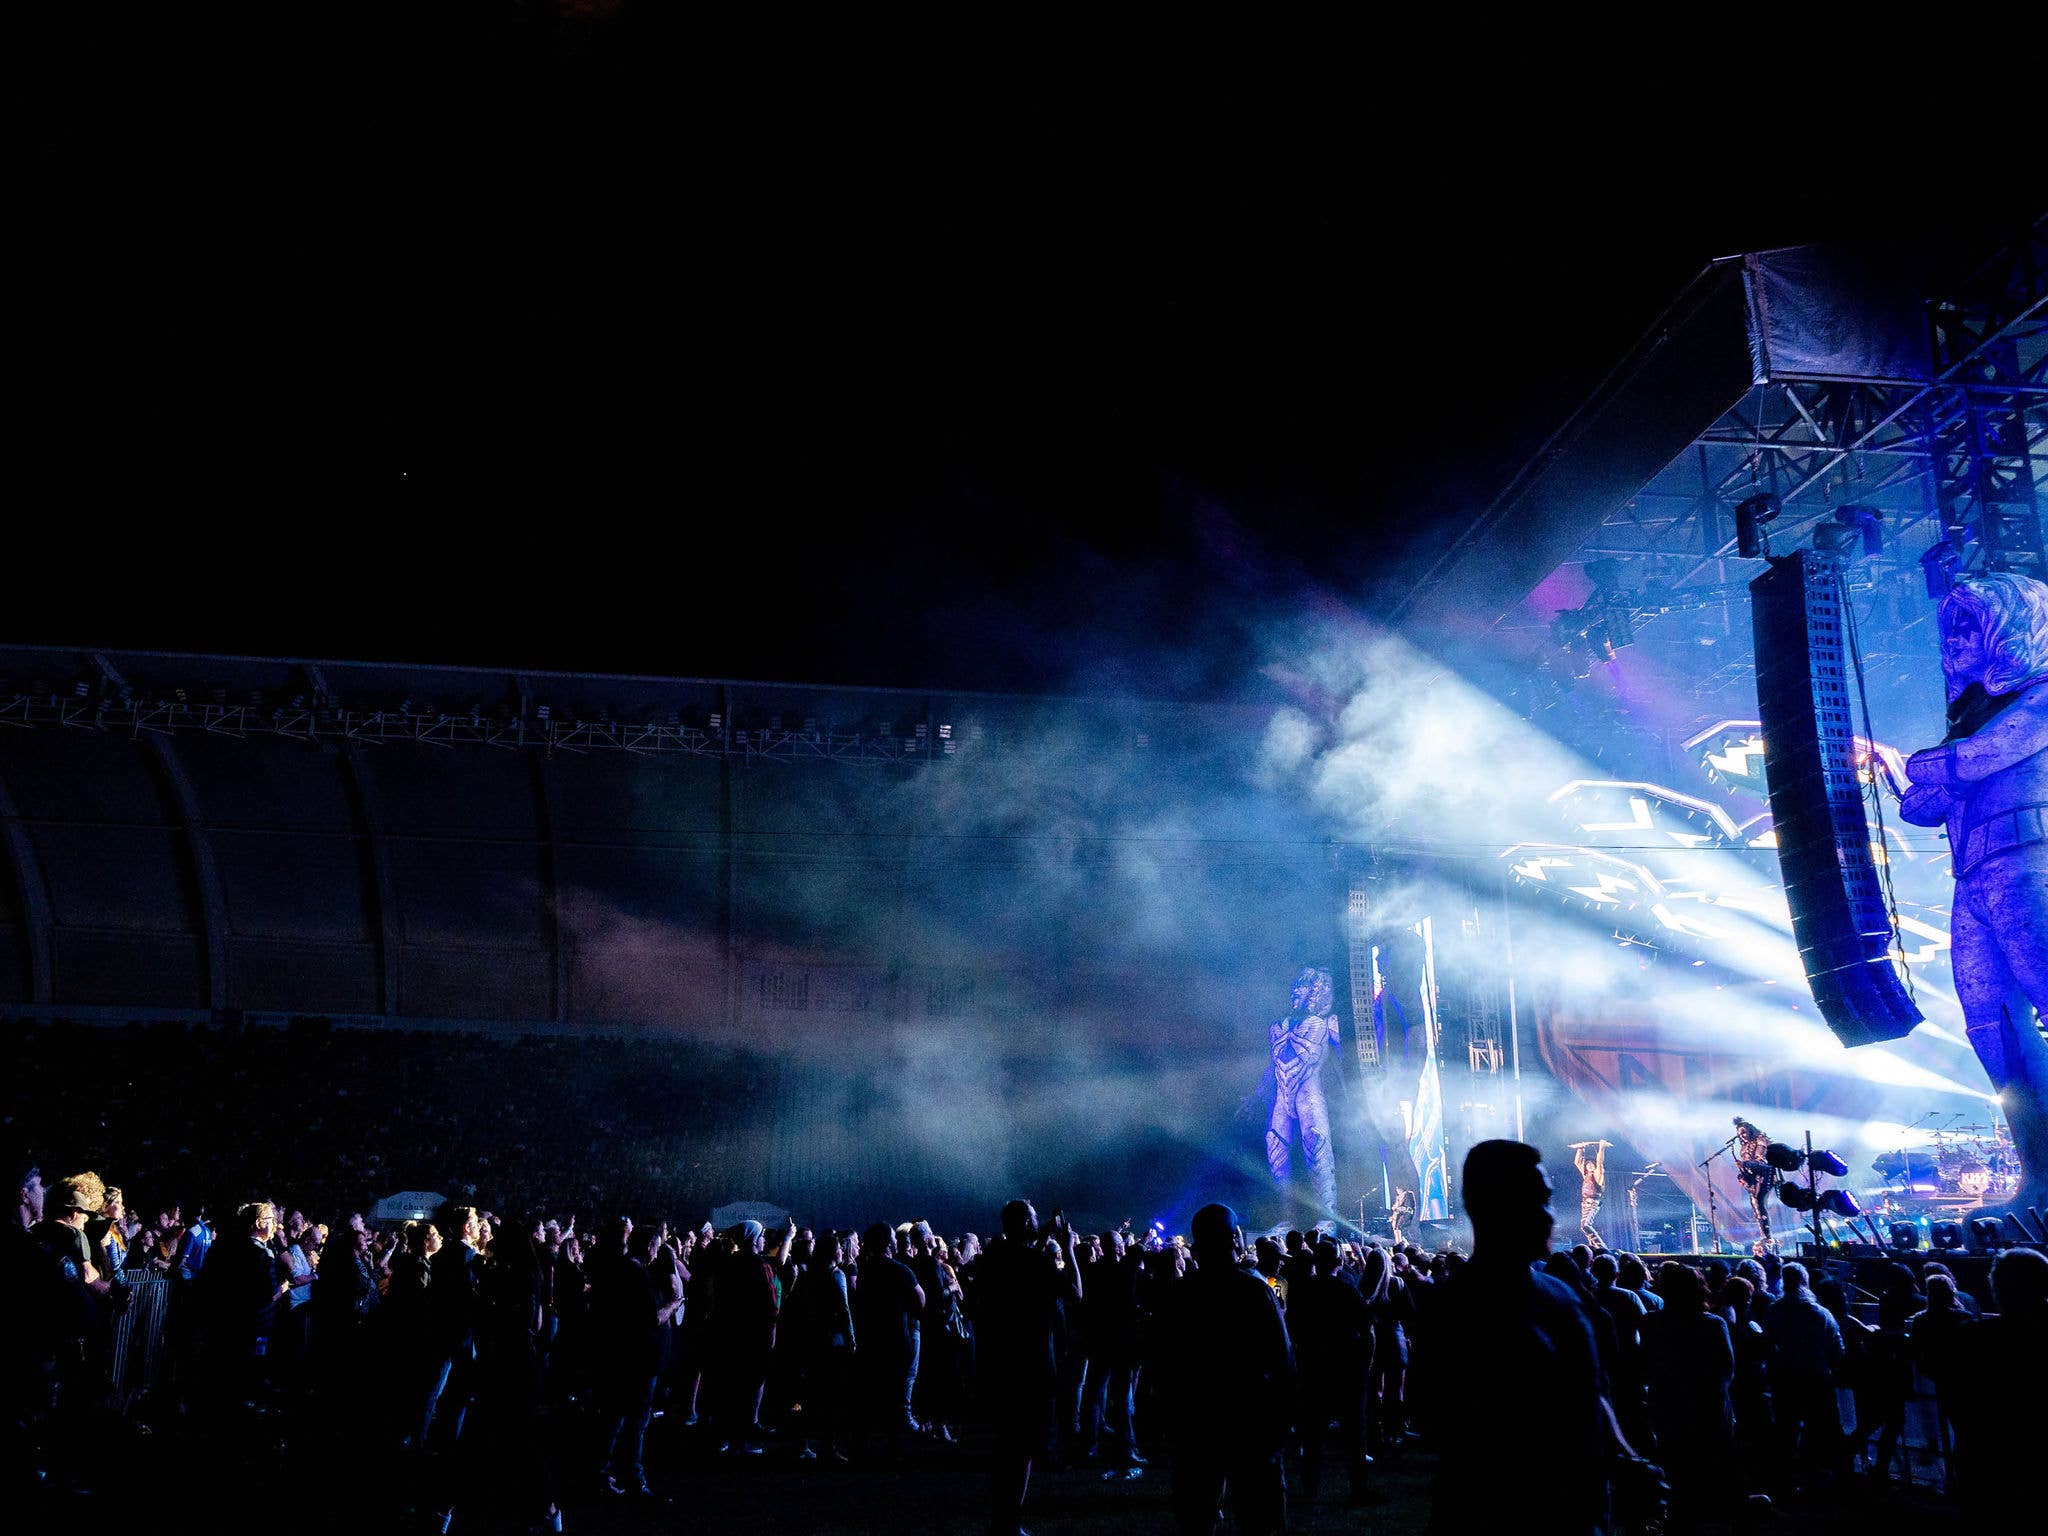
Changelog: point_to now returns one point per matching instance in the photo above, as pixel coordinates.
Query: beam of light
(1739, 1026)
(1806, 1044)
(1415, 755)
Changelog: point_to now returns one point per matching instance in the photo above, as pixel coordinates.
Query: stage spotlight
(1986, 1234)
(1867, 521)
(1750, 516)
(1905, 1236)
(1946, 1236)
(1828, 1164)
(1839, 1202)
(1797, 1196)
(1938, 565)
(1783, 1158)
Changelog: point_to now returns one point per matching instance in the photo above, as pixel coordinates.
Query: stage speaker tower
(1839, 916)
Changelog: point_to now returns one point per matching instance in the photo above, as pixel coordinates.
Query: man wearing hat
(744, 1308)
(61, 1289)
(70, 1204)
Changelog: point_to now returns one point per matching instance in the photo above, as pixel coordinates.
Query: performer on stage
(1988, 782)
(1759, 1178)
(1299, 1043)
(1402, 1213)
(1592, 1185)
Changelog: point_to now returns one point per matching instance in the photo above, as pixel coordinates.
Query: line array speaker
(1839, 917)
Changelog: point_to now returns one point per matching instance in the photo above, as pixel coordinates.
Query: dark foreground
(937, 1488)
(934, 1489)
(944, 1489)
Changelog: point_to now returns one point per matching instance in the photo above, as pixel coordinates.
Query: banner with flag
(1426, 1127)
(1426, 1146)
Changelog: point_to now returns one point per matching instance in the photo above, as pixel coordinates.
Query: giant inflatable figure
(1300, 1042)
(1988, 783)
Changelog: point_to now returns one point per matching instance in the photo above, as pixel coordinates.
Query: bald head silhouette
(1507, 1197)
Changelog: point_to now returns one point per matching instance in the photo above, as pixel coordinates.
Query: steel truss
(135, 717)
(1954, 467)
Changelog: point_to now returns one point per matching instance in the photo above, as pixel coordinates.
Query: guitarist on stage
(1592, 1185)
(1758, 1177)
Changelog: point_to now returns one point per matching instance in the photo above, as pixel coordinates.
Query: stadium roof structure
(239, 834)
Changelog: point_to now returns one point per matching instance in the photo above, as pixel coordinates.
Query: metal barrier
(140, 1354)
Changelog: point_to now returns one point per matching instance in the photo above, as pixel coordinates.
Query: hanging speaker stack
(1839, 917)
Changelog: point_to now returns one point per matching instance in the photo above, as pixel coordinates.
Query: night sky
(788, 394)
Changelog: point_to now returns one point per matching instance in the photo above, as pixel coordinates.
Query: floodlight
(1750, 516)
(1783, 1158)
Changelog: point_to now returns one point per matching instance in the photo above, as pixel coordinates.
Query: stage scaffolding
(918, 744)
(1947, 470)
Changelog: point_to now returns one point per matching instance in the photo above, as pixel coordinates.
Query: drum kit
(1964, 1166)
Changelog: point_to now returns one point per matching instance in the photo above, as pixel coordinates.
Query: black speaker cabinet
(1805, 700)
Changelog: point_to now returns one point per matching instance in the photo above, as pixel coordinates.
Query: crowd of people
(511, 1364)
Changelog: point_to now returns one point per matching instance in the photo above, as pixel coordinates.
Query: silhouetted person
(1750, 1392)
(1300, 1262)
(1689, 1366)
(887, 1305)
(1634, 1277)
(405, 1325)
(1934, 1336)
(453, 1273)
(1806, 1352)
(516, 1471)
(625, 1336)
(1626, 1310)
(1885, 1384)
(1226, 1370)
(1995, 1388)
(744, 1304)
(1332, 1329)
(1386, 1296)
(239, 1292)
(817, 1322)
(1112, 1310)
(1017, 1299)
(1499, 1333)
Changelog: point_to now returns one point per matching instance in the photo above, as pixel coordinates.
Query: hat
(80, 1192)
(1214, 1226)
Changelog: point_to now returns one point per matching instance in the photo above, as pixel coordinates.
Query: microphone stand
(1713, 1206)
(1635, 1215)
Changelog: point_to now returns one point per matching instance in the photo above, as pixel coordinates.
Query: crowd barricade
(1927, 1442)
(140, 1352)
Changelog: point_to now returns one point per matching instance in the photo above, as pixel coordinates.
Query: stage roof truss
(1957, 461)
(380, 727)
